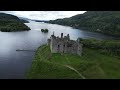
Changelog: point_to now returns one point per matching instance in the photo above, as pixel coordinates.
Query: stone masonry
(64, 45)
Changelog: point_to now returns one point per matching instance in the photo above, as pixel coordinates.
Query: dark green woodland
(9, 23)
(107, 22)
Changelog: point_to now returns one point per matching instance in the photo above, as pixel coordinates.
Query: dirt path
(75, 71)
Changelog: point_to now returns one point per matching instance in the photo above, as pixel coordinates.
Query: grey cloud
(44, 15)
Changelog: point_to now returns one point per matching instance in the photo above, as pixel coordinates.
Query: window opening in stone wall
(58, 47)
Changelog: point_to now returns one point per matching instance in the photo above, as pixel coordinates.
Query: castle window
(64, 45)
(58, 46)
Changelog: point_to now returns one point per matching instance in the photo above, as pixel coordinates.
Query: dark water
(14, 64)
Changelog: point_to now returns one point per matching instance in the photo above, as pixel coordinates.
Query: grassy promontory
(93, 64)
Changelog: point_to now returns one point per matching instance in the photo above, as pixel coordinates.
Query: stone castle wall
(64, 45)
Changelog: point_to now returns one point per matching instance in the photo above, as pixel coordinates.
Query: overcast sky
(44, 15)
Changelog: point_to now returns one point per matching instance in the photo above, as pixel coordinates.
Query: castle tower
(68, 37)
(79, 49)
(61, 35)
(52, 42)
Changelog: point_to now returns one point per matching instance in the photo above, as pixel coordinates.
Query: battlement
(61, 38)
(64, 45)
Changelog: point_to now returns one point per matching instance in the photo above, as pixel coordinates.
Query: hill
(9, 23)
(24, 21)
(41, 21)
(93, 64)
(106, 22)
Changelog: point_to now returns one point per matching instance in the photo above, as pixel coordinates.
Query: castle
(64, 45)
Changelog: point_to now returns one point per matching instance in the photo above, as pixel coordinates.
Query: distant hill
(40, 20)
(24, 20)
(9, 23)
(27, 19)
(107, 22)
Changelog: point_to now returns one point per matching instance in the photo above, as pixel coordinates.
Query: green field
(91, 65)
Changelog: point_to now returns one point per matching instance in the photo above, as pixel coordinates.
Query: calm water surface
(13, 64)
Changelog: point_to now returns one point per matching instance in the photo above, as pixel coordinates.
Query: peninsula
(10, 23)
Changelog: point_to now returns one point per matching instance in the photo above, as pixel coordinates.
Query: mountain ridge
(106, 22)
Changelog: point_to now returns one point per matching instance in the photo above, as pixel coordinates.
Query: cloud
(44, 15)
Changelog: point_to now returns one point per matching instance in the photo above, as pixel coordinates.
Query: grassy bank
(92, 65)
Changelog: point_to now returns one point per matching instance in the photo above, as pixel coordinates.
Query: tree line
(111, 47)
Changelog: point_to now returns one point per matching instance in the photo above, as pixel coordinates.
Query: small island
(44, 30)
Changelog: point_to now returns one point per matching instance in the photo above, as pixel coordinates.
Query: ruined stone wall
(64, 45)
(48, 42)
(72, 49)
(79, 49)
(53, 45)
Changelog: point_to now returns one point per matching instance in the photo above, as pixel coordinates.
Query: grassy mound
(92, 65)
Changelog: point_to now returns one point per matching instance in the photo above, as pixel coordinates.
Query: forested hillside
(10, 23)
(107, 22)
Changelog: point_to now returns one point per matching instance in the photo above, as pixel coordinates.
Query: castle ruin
(64, 45)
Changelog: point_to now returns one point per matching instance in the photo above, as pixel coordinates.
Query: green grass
(91, 65)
